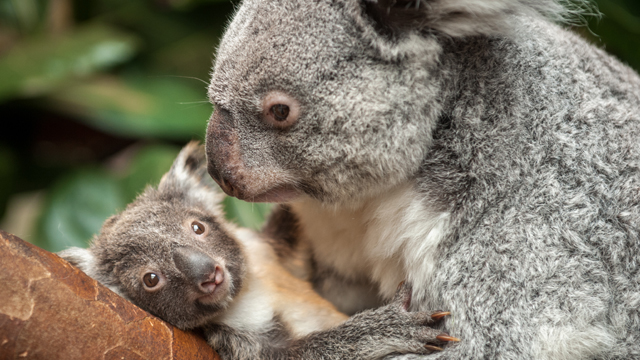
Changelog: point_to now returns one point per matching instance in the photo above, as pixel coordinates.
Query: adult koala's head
(335, 99)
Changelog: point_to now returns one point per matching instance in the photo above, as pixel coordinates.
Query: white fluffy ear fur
(459, 18)
(188, 174)
(84, 260)
(81, 258)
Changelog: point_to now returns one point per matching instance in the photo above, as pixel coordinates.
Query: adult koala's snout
(227, 148)
(223, 153)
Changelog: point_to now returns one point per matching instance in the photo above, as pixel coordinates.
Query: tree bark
(51, 310)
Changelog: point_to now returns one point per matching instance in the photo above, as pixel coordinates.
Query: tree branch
(51, 310)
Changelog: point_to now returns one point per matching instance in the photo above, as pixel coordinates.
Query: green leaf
(138, 107)
(619, 30)
(251, 215)
(24, 15)
(147, 168)
(41, 64)
(77, 206)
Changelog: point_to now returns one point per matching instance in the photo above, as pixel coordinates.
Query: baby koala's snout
(198, 268)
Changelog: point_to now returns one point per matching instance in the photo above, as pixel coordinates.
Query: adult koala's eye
(280, 112)
(197, 227)
(151, 279)
(280, 109)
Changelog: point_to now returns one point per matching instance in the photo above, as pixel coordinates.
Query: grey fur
(371, 334)
(154, 235)
(513, 140)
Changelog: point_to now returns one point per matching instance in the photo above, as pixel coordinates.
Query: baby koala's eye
(150, 279)
(197, 227)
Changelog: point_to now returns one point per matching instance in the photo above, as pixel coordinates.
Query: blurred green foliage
(618, 31)
(96, 99)
(78, 204)
(98, 96)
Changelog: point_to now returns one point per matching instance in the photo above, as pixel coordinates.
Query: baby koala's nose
(198, 268)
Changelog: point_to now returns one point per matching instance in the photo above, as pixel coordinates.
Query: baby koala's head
(170, 251)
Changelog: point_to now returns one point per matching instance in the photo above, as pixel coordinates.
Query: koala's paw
(404, 332)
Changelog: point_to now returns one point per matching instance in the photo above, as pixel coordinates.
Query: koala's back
(497, 173)
(534, 167)
(545, 197)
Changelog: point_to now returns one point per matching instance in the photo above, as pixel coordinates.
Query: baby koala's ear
(84, 260)
(81, 258)
(189, 175)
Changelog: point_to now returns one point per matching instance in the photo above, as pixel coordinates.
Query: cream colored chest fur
(376, 241)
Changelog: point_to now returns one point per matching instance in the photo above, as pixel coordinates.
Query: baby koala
(172, 253)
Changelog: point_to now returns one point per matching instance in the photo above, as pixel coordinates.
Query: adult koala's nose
(199, 268)
(224, 162)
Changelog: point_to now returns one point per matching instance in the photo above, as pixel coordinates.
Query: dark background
(98, 96)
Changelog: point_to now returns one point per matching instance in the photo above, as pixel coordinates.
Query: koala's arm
(372, 334)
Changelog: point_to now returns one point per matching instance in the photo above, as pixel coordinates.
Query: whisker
(193, 102)
(184, 77)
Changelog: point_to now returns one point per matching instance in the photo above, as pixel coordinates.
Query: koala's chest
(348, 272)
(372, 243)
(341, 244)
(363, 245)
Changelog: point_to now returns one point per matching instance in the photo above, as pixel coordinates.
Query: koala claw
(424, 339)
(439, 315)
(446, 337)
(433, 348)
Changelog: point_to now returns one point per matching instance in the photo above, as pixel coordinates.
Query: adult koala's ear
(81, 258)
(188, 176)
(458, 18)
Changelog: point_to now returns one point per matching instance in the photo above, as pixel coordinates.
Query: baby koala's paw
(396, 330)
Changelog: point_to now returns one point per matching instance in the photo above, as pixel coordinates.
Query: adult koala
(472, 147)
